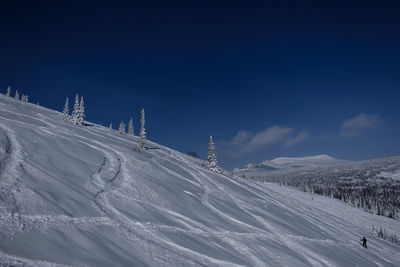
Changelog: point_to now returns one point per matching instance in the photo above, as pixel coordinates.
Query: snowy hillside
(87, 196)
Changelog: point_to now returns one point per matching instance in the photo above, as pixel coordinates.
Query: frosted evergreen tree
(26, 98)
(23, 98)
(66, 111)
(130, 127)
(122, 127)
(142, 141)
(110, 125)
(16, 95)
(75, 112)
(81, 113)
(212, 158)
(8, 91)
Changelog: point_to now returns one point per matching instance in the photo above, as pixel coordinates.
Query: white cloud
(300, 137)
(268, 137)
(245, 142)
(358, 124)
(241, 137)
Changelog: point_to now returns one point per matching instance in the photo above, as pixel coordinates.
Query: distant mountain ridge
(284, 163)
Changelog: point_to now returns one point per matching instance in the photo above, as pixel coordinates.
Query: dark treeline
(372, 185)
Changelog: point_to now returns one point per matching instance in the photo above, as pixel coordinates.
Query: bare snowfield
(86, 196)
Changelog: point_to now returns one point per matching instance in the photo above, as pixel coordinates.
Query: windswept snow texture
(87, 196)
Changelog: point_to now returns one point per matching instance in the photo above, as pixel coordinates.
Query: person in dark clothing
(364, 240)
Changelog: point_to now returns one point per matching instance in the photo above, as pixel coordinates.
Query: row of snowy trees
(24, 98)
(142, 133)
(77, 116)
(122, 127)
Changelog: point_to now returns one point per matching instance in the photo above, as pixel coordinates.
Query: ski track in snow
(104, 188)
(11, 169)
(254, 222)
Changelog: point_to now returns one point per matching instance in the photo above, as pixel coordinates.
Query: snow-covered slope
(285, 163)
(86, 196)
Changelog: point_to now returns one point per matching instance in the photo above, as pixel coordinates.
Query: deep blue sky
(286, 76)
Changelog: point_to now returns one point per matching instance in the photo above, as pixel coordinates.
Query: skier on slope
(364, 240)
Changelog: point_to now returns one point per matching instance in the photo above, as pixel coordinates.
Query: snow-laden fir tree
(130, 127)
(81, 114)
(66, 111)
(23, 98)
(212, 158)
(122, 128)
(142, 141)
(16, 95)
(26, 98)
(110, 125)
(8, 91)
(75, 112)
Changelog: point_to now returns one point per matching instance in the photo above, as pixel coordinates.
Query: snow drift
(82, 196)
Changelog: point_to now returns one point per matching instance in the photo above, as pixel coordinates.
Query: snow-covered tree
(122, 128)
(130, 127)
(212, 158)
(75, 112)
(66, 111)
(142, 141)
(81, 114)
(8, 91)
(26, 98)
(23, 98)
(110, 125)
(16, 95)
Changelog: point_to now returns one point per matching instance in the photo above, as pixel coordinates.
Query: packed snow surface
(87, 196)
